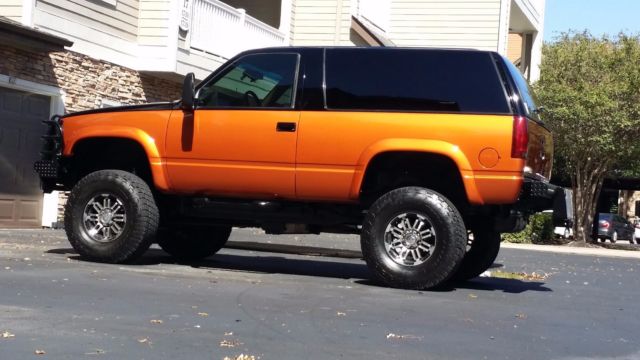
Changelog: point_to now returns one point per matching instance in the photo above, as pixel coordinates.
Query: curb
(627, 254)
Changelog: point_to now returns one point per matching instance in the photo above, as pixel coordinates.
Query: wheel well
(95, 154)
(391, 170)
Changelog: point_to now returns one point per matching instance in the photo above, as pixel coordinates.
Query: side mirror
(188, 92)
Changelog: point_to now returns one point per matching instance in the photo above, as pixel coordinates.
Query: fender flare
(146, 141)
(439, 147)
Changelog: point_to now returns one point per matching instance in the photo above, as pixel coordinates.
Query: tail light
(520, 138)
(604, 224)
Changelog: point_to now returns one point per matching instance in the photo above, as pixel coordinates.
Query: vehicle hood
(142, 107)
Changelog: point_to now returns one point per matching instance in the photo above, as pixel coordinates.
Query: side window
(253, 81)
(528, 97)
(413, 80)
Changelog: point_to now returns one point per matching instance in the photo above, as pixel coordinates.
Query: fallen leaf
(473, 296)
(230, 333)
(6, 335)
(240, 357)
(229, 344)
(203, 314)
(96, 352)
(143, 340)
(403, 337)
(521, 316)
(340, 313)
(39, 352)
(156, 321)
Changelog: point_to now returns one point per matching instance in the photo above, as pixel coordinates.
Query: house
(59, 56)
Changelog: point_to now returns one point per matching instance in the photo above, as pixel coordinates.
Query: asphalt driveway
(310, 298)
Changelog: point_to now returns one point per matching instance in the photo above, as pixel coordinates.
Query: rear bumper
(537, 195)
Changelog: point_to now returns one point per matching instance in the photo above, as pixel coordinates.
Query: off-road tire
(141, 216)
(450, 243)
(193, 243)
(482, 253)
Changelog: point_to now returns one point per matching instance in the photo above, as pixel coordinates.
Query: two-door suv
(428, 154)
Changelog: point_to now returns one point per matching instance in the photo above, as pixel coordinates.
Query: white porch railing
(223, 30)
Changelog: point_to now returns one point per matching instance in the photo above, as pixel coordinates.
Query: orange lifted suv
(428, 154)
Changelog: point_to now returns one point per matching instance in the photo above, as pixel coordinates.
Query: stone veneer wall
(85, 81)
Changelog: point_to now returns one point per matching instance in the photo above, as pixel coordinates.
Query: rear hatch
(539, 147)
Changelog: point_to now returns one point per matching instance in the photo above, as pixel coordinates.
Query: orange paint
(239, 152)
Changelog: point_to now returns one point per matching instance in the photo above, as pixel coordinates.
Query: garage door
(21, 114)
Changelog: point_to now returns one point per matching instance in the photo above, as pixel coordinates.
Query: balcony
(166, 38)
(220, 29)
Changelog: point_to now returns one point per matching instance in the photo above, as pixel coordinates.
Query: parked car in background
(614, 227)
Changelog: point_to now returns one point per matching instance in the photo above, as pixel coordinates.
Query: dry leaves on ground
(534, 276)
(39, 352)
(154, 321)
(340, 313)
(203, 314)
(6, 335)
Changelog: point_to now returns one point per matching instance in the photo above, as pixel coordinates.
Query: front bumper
(50, 166)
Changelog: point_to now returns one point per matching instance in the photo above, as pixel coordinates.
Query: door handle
(286, 127)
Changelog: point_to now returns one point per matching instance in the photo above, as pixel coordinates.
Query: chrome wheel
(409, 239)
(104, 218)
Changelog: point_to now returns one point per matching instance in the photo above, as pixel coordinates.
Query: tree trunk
(587, 183)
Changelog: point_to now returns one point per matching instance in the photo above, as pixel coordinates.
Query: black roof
(360, 48)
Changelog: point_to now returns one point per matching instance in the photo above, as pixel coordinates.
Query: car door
(628, 228)
(241, 138)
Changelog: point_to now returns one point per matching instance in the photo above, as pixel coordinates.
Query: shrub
(539, 230)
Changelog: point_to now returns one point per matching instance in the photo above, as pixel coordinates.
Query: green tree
(590, 88)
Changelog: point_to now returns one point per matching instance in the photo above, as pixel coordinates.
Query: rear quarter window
(413, 80)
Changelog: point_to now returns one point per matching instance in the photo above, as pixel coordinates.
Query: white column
(286, 7)
(27, 12)
(536, 49)
(503, 26)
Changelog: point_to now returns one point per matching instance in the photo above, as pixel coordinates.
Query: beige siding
(120, 21)
(450, 23)
(201, 64)
(154, 22)
(11, 9)
(321, 22)
(514, 47)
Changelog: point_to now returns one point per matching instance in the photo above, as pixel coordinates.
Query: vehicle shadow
(345, 269)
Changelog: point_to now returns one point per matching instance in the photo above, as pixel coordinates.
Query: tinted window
(253, 81)
(527, 95)
(422, 80)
